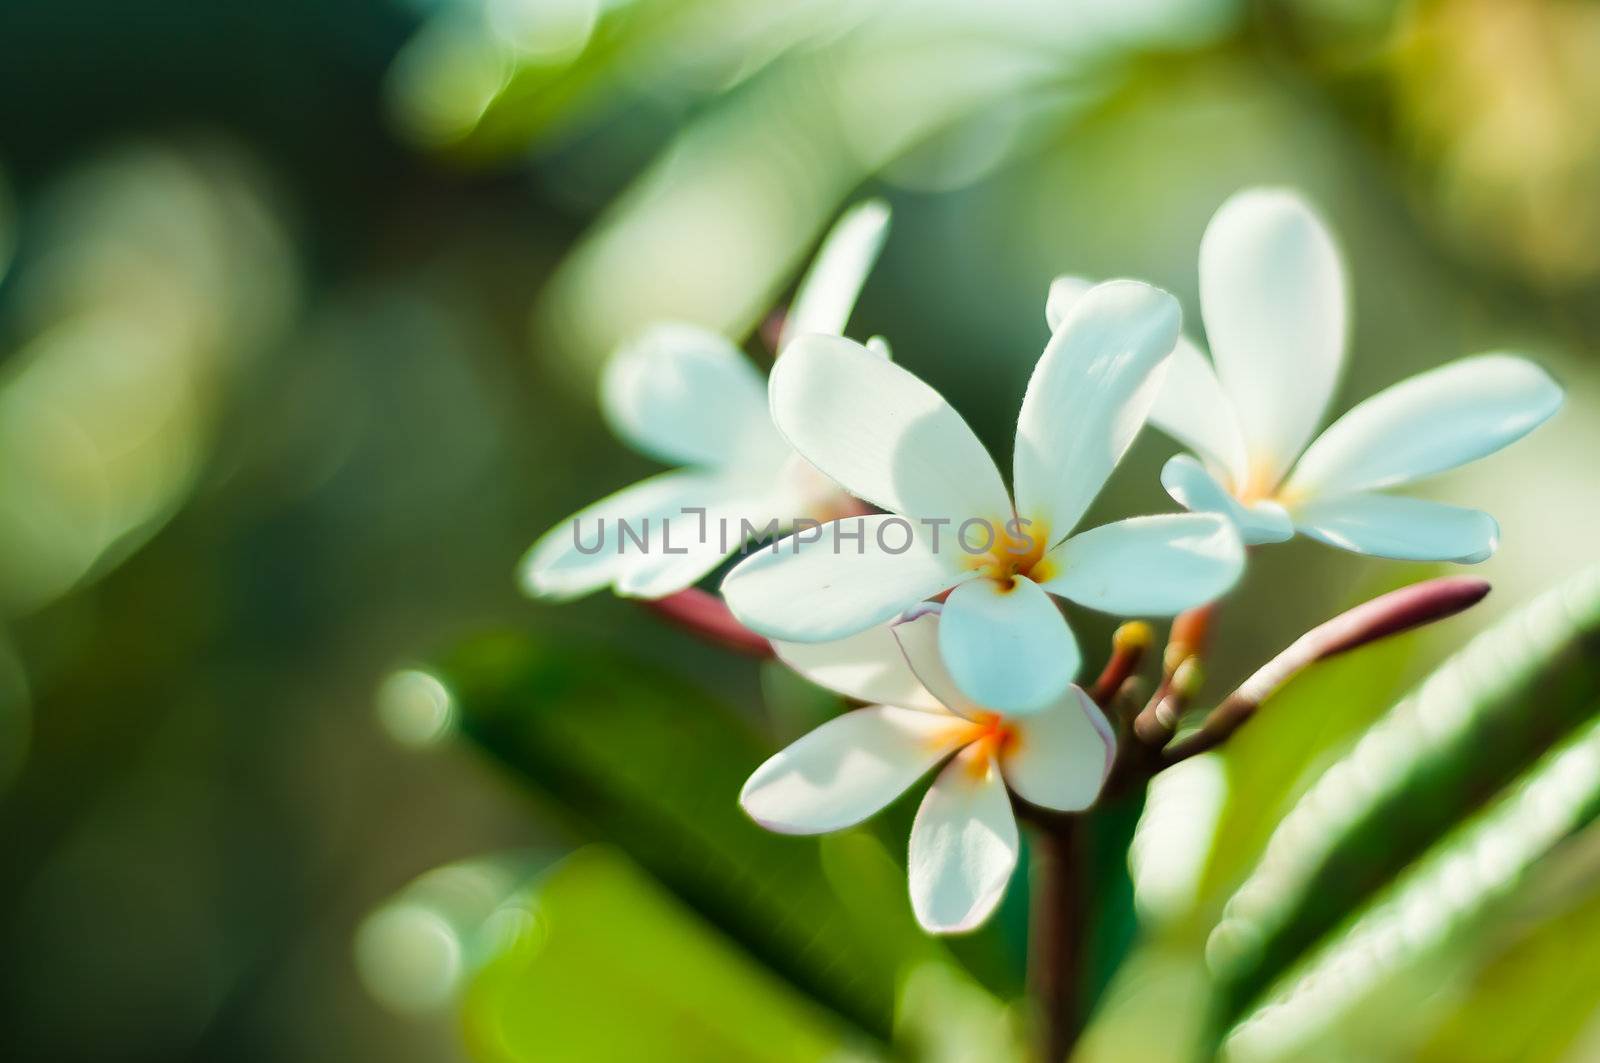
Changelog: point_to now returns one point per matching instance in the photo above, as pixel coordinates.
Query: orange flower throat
(1017, 550)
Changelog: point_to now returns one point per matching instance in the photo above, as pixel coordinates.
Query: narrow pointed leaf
(607, 965)
(623, 753)
(1471, 728)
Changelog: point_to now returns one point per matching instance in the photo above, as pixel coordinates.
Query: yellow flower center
(990, 734)
(1260, 484)
(1011, 551)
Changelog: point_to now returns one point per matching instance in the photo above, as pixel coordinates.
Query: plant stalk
(1056, 931)
(1388, 614)
(708, 616)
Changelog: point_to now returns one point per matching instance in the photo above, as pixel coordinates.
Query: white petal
(849, 768)
(684, 394)
(917, 638)
(588, 551)
(684, 546)
(833, 586)
(882, 434)
(1190, 405)
(1148, 566)
(1407, 529)
(1192, 408)
(880, 347)
(1008, 648)
(660, 576)
(868, 666)
(829, 289)
(1192, 487)
(1060, 756)
(1272, 291)
(963, 845)
(1065, 291)
(1088, 398)
(1432, 422)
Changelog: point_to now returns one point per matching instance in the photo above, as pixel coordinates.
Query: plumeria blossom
(1273, 298)
(687, 396)
(964, 838)
(952, 528)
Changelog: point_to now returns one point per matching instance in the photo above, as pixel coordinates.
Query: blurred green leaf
(613, 968)
(1540, 987)
(631, 755)
(1372, 990)
(1154, 1006)
(1112, 922)
(945, 1017)
(1298, 732)
(16, 714)
(1271, 762)
(8, 225)
(794, 704)
(871, 888)
(166, 274)
(1491, 711)
(942, 1012)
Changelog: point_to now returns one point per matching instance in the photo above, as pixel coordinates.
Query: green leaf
(1370, 989)
(8, 225)
(1539, 989)
(613, 968)
(1113, 924)
(1154, 1006)
(1473, 726)
(1298, 732)
(945, 1017)
(795, 706)
(631, 755)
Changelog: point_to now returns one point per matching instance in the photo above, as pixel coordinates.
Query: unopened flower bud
(1134, 636)
(1188, 677)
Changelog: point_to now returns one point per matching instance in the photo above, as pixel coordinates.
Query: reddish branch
(1059, 916)
(1158, 721)
(708, 616)
(1181, 676)
(1389, 614)
(1128, 647)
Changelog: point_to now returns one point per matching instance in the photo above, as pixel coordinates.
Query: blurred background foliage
(301, 310)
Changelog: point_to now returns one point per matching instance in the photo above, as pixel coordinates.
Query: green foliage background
(301, 308)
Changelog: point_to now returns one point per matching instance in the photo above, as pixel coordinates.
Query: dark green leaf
(1540, 987)
(634, 756)
(1112, 923)
(1377, 984)
(610, 967)
(1464, 734)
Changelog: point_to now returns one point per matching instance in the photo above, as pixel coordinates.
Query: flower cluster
(1273, 299)
(914, 580)
(681, 393)
(964, 837)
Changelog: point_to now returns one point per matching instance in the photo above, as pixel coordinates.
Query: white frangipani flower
(687, 396)
(1273, 298)
(890, 439)
(964, 838)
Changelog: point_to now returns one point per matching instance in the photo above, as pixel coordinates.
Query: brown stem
(1056, 934)
(1187, 640)
(1388, 614)
(1128, 647)
(708, 616)
(1126, 701)
(1158, 721)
